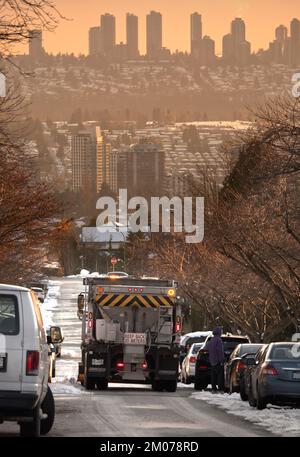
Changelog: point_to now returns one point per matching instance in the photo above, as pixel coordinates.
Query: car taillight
(192, 359)
(269, 370)
(90, 323)
(202, 367)
(240, 366)
(144, 365)
(32, 363)
(120, 365)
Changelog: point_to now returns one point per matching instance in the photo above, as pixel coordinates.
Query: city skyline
(71, 35)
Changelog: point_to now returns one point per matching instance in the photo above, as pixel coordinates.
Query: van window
(9, 315)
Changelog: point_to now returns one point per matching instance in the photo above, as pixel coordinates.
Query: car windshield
(249, 348)
(9, 319)
(231, 343)
(196, 348)
(286, 352)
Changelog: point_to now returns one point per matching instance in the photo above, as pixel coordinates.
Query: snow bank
(278, 420)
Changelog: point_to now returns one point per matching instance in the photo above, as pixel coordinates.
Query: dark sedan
(234, 368)
(203, 367)
(275, 375)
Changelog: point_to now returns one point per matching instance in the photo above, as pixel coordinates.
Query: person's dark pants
(217, 377)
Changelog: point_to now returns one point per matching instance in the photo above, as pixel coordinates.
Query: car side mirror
(251, 362)
(80, 304)
(56, 336)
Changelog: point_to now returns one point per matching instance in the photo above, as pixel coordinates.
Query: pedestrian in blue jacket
(216, 358)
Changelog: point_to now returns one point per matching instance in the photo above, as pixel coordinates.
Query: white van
(24, 363)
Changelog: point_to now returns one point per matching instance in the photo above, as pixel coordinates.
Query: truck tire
(171, 386)
(89, 383)
(157, 386)
(32, 429)
(102, 384)
(48, 407)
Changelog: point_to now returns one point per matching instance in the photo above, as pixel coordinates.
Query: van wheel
(32, 429)
(48, 407)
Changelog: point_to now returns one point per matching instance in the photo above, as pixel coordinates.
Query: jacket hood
(217, 331)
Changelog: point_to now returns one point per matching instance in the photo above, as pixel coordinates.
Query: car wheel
(32, 429)
(48, 407)
(251, 399)
(261, 402)
(232, 389)
(243, 395)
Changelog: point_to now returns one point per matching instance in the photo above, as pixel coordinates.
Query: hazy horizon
(261, 19)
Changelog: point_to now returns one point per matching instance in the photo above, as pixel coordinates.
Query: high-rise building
(95, 41)
(36, 50)
(208, 55)
(196, 32)
(227, 48)
(103, 161)
(154, 34)
(145, 171)
(132, 34)
(108, 32)
(281, 33)
(83, 162)
(238, 31)
(295, 42)
(235, 47)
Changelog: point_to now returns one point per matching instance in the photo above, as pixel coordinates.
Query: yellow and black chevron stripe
(124, 300)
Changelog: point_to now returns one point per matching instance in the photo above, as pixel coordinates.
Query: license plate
(97, 362)
(296, 376)
(135, 338)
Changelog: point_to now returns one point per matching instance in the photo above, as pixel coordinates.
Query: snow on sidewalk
(282, 421)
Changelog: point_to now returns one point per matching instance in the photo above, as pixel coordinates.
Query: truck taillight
(32, 363)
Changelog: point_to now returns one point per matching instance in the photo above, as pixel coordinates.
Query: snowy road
(126, 410)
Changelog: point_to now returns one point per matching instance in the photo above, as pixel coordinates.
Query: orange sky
(261, 17)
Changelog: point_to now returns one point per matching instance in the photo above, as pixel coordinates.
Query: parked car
(234, 368)
(187, 374)
(25, 396)
(188, 340)
(203, 367)
(275, 375)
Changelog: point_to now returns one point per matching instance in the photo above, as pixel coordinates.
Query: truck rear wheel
(157, 386)
(89, 383)
(171, 386)
(102, 384)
